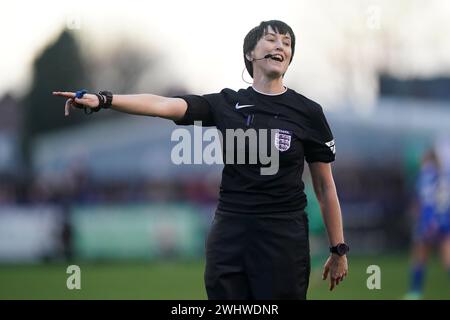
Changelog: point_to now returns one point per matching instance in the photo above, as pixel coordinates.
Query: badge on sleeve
(331, 145)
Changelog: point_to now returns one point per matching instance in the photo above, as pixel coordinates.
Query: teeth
(277, 57)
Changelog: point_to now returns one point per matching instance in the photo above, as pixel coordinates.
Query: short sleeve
(199, 109)
(319, 143)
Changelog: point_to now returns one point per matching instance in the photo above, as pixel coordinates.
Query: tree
(59, 67)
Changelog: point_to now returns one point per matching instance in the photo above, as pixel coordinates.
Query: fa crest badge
(282, 140)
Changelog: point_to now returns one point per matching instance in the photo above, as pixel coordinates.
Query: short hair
(254, 35)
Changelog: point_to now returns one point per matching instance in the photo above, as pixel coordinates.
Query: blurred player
(433, 221)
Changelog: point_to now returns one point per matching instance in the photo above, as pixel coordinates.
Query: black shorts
(258, 256)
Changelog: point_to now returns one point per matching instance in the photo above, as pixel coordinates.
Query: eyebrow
(273, 34)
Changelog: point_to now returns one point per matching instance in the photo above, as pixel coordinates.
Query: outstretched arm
(139, 104)
(325, 189)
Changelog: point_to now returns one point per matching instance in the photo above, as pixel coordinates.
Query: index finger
(64, 94)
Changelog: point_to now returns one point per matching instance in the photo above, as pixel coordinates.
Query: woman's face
(279, 46)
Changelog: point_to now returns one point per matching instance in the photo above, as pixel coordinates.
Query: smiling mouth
(277, 57)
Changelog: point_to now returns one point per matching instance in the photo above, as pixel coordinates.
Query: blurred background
(101, 191)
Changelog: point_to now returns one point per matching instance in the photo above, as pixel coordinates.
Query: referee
(258, 245)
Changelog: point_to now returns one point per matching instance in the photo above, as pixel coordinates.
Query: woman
(258, 245)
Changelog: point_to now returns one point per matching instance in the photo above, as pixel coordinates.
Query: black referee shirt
(302, 133)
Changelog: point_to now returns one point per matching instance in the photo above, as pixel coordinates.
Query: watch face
(342, 249)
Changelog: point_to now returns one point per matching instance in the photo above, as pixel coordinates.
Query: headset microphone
(267, 56)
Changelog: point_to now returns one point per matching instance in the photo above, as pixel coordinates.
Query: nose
(279, 45)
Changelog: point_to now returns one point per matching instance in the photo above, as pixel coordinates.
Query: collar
(271, 94)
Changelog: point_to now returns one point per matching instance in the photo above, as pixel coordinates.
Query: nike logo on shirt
(243, 106)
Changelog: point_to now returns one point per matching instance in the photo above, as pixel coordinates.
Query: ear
(249, 56)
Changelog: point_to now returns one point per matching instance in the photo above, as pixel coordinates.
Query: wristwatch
(340, 249)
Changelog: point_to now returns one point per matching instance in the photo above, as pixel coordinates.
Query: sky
(341, 45)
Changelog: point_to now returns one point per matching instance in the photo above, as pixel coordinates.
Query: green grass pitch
(184, 280)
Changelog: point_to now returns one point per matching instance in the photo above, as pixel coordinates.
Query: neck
(269, 86)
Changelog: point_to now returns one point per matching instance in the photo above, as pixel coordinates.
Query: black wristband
(108, 96)
(101, 100)
(104, 101)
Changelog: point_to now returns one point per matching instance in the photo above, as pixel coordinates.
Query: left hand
(88, 100)
(337, 267)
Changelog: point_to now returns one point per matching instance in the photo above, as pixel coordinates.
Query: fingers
(326, 269)
(332, 283)
(64, 94)
(69, 102)
(67, 106)
(337, 270)
(335, 279)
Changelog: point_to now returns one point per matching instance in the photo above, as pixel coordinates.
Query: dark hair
(254, 35)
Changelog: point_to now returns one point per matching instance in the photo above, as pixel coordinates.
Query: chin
(274, 74)
(275, 71)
